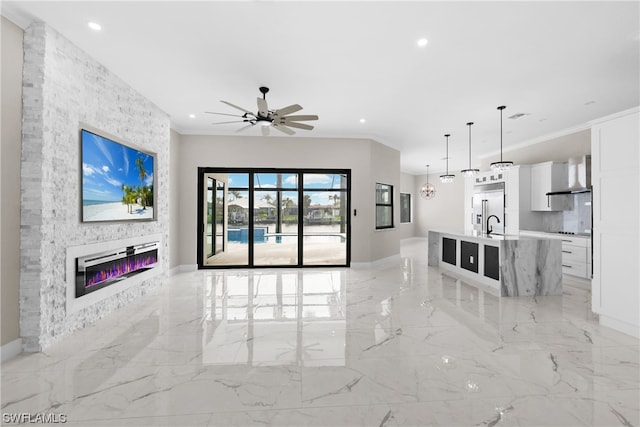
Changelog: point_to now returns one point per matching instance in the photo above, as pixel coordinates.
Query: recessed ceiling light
(363, 120)
(94, 26)
(422, 42)
(192, 116)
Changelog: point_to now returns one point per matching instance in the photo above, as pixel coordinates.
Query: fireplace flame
(118, 268)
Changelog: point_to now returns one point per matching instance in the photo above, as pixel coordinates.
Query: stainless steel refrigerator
(488, 199)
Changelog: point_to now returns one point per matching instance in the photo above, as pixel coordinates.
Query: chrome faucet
(489, 228)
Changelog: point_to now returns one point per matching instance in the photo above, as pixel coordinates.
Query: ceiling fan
(278, 119)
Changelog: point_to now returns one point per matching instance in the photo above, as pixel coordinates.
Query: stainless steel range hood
(579, 169)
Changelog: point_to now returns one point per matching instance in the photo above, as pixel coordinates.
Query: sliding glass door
(275, 217)
(325, 219)
(209, 224)
(214, 217)
(219, 215)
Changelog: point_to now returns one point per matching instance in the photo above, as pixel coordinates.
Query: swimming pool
(261, 235)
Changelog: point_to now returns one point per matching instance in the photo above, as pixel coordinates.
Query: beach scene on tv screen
(117, 181)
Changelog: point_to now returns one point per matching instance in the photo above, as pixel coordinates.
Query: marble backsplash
(576, 217)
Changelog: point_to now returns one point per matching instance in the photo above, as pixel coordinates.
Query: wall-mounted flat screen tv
(117, 180)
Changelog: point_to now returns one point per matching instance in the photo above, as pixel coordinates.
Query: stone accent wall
(63, 87)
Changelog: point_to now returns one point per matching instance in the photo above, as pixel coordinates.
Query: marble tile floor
(398, 345)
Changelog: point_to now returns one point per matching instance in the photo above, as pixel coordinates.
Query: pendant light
(447, 178)
(502, 165)
(470, 171)
(427, 191)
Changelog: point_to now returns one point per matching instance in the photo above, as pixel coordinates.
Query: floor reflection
(399, 343)
(274, 318)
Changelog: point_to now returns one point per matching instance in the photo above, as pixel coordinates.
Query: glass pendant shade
(447, 178)
(502, 165)
(470, 171)
(427, 191)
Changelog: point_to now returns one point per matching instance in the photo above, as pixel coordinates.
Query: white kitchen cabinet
(615, 174)
(576, 252)
(547, 177)
(576, 256)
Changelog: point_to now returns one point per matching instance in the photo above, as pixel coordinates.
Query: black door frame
(300, 189)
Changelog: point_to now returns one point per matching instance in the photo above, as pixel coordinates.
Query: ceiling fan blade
(244, 127)
(224, 114)
(299, 118)
(234, 121)
(265, 130)
(299, 125)
(263, 108)
(284, 129)
(235, 106)
(288, 110)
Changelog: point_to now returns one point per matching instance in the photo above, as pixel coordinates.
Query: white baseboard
(620, 326)
(10, 350)
(414, 238)
(183, 268)
(377, 263)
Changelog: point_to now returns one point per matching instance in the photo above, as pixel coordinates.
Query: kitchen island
(514, 265)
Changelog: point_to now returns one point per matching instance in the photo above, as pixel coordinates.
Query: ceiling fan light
(264, 122)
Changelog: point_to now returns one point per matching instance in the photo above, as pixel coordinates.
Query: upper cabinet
(547, 177)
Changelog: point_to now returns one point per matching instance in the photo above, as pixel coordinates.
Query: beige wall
(409, 185)
(369, 162)
(12, 39)
(556, 149)
(385, 169)
(445, 210)
(174, 194)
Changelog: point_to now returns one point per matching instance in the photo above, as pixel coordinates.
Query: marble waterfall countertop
(485, 237)
(527, 265)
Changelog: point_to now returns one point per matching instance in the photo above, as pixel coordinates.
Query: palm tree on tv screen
(142, 173)
(129, 196)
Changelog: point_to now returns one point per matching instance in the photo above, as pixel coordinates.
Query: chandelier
(427, 191)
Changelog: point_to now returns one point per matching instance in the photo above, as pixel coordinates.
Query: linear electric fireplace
(99, 270)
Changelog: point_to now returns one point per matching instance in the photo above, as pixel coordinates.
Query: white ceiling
(560, 63)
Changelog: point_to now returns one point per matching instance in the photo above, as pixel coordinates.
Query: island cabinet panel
(513, 265)
(449, 251)
(492, 262)
(469, 256)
